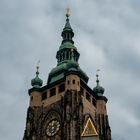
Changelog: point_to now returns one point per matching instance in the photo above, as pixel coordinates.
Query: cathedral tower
(66, 108)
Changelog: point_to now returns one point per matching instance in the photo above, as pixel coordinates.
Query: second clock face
(52, 128)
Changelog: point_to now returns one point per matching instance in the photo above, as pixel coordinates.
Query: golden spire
(68, 12)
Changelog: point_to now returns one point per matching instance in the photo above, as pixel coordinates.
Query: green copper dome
(36, 82)
(98, 90)
(67, 45)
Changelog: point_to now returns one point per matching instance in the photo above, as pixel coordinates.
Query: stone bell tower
(66, 108)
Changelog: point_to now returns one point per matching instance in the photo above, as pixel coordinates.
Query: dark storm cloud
(107, 32)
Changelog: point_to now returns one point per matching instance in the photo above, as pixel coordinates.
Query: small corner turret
(36, 82)
(34, 92)
(99, 90)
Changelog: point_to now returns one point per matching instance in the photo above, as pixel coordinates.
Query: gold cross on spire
(38, 64)
(68, 12)
(97, 73)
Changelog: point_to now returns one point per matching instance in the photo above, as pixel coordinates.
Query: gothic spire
(67, 33)
(67, 56)
(67, 51)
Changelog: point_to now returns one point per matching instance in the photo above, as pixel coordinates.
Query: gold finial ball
(68, 12)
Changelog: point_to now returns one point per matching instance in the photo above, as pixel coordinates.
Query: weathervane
(97, 73)
(68, 12)
(37, 66)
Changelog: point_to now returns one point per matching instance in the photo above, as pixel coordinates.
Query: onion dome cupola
(67, 56)
(37, 82)
(98, 90)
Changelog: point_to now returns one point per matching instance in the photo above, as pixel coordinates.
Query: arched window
(44, 95)
(73, 81)
(61, 88)
(52, 92)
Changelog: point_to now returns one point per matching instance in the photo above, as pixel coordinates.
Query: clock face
(52, 128)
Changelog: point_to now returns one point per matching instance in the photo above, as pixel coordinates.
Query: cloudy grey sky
(107, 35)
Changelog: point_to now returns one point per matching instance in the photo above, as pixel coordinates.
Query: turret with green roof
(36, 82)
(98, 90)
